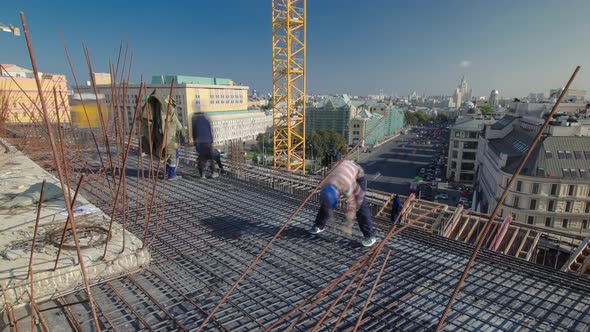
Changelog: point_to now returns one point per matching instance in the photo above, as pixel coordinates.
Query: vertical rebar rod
(359, 320)
(59, 168)
(30, 274)
(63, 234)
(501, 201)
(279, 232)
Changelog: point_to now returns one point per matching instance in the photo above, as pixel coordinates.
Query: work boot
(316, 230)
(215, 175)
(367, 242)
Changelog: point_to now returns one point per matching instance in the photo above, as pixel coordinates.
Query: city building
(17, 106)
(463, 142)
(331, 113)
(494, 98)
(225, 103)
(572, 95)
(553, 189)
(355, 118)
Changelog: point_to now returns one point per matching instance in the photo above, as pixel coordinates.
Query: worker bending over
(347, 179)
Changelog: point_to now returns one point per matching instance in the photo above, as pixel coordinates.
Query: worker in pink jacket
(348, 180)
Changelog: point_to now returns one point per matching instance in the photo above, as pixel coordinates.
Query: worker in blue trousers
(396, 208)
(348, 180)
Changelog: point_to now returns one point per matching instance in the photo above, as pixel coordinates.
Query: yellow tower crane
(288, 83)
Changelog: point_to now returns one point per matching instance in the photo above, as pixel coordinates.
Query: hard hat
(329, 196)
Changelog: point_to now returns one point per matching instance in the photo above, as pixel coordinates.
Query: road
(392, 166)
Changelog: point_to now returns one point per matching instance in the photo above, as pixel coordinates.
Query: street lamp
(9, 28)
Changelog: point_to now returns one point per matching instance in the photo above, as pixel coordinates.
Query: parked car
(441, 196)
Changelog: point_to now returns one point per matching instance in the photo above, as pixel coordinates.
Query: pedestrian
(203, 140)
(396, 208)
(216, 158)
(347, 179)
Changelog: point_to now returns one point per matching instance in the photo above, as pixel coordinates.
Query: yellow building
(19, 97)
(191, 94)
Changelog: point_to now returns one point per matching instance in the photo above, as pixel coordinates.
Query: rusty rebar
(370, 296)
(82, 102)
(489, 223)
(276, 236)
(30, 274)
(58, 166)
(117, 192)
(63, 234)
(160, 155)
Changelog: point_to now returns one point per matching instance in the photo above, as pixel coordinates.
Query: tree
(441, 117)
(323, 141)
(486, 110)
(414, 118)
(264, 143)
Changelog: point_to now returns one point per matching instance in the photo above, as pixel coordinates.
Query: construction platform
(18, 173)
(212, 229)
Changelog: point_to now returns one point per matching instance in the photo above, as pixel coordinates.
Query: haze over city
(354, 47)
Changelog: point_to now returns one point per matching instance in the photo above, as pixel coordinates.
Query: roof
(234, 112)
(179, 79)
(336, 101)
(564, 157)
(503, 122)
(471, 124)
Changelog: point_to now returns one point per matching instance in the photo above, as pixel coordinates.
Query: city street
(393, 166)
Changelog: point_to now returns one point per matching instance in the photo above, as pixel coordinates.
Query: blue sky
(354, 46)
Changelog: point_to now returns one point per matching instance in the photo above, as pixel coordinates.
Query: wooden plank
(454, 221)
(532, 248)
(389, 200)
(467, 218)
(509, 245)
(524, 239)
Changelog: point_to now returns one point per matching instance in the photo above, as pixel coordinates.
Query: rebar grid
(214, 228)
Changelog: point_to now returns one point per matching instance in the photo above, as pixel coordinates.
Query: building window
(516, 202)
(564, 223)
(455, 153)
(548, 222)
(456, 144)
(548, 154)
(469, 155)
(519, 186)
(561, 154)
(579, 155)
(470, 145)
(531, 220)
(533, 204)
(587, 210)
(568, 206)
(513, 216)
(571, 190)
(554, 189)
(551, 206)
(535, 189)
(585, 224)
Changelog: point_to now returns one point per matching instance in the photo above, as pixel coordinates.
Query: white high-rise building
(494, 98)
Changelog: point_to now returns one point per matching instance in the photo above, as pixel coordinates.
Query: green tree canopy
(486, 109)
(323, 141)
(414, 118)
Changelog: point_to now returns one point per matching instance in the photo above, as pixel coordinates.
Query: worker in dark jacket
(203, 139)
(348, 180)
(396, 208)
(216, 158)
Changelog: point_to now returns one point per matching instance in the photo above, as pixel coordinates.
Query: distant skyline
(355, 47)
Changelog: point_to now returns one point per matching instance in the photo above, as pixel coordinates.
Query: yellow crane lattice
(288, 83)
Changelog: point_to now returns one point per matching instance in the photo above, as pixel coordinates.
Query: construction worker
(216, 158)
(396, 208)
(203, 139)
(153, 122)
(347, 179)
